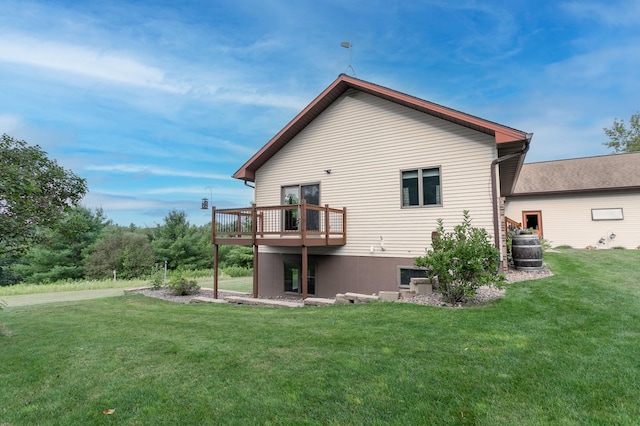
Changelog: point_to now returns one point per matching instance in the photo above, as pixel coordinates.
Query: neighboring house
(581, 202)
(348, 193)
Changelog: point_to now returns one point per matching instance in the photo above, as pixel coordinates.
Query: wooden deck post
(213, 224)
(344, 225)
(305, 272)
(254, 223)
(303, 222)
(215, 252)
(215, 271)
(254, 230)
(255, 271)
(326, 223)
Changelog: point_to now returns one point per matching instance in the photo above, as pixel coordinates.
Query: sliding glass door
(292, 195)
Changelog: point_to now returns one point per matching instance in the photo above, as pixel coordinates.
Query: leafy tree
(7, 275)
(34, 191)
(129, 254)
(181, 244)
(623, 139)
(240, 256)
(63, 249)
(463, 260)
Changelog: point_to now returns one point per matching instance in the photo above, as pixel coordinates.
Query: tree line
(85, 244)
(46, 236)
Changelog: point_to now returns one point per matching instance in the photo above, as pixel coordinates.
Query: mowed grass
(237, 284)
(561, 350)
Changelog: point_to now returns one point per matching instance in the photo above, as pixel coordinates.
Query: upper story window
(421, 187)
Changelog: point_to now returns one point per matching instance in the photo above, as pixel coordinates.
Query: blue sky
(154, 102)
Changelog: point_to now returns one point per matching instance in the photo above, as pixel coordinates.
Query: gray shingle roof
(607, 172)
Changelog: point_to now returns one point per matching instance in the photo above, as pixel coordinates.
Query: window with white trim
(421, 187)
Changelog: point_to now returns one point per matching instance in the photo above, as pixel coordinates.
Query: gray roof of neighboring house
(607, 172)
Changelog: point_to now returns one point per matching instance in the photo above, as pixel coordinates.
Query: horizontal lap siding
(566, 219)
(366, 142)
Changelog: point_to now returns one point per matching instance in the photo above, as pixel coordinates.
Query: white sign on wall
(607, 214)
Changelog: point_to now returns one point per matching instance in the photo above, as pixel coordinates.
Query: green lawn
(561, 350)
(226, 283)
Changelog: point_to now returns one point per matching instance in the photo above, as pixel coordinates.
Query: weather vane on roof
(348, 45)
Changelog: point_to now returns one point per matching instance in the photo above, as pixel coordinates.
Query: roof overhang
(506, 138)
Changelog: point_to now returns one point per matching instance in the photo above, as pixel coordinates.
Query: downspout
(494, 190)
(246, 183)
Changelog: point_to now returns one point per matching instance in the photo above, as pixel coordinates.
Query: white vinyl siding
(566, 219)
(367, 142)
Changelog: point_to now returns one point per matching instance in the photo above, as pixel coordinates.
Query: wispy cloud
(154, 170)
(89, 62)
(257, 97)
(216, 191)
(615, 13)
(610, 66)
(125, 202)
(9, 123)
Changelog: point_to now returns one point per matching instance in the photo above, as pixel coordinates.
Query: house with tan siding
(348, 193)
(581, 202)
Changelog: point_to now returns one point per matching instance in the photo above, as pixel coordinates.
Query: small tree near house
(463, 261)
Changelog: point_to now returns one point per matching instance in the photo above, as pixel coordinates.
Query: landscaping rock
(341, 298)
(389, 296)
(360, 298)
(263, 302)
(202, 299)
(406, 294)
(421, 286)
(319, 301)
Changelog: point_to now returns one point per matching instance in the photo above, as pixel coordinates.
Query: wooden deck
(294, 225)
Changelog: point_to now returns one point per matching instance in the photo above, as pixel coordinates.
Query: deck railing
(510, 223)
(267, 225)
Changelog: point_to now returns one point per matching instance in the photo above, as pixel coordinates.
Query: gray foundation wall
(334, 274)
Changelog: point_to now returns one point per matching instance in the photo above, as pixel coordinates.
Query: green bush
(157, 279)
(180, 286)
(463, 260)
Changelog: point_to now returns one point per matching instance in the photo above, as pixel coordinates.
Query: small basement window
(405, 273)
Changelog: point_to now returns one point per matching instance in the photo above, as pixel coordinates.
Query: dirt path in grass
(62, 296)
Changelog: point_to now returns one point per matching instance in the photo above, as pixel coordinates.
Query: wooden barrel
(526, 251)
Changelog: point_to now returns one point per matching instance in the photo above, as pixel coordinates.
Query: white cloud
(262, 99)
(215, 191)
(154, 170)
(9, 123)
(121, 202)
(620, 13)
(125, 69)
(611, 66)
(94, 63)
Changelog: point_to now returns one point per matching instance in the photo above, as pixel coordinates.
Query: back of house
(394, 164)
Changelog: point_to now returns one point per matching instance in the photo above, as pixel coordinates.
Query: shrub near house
(463, 260)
